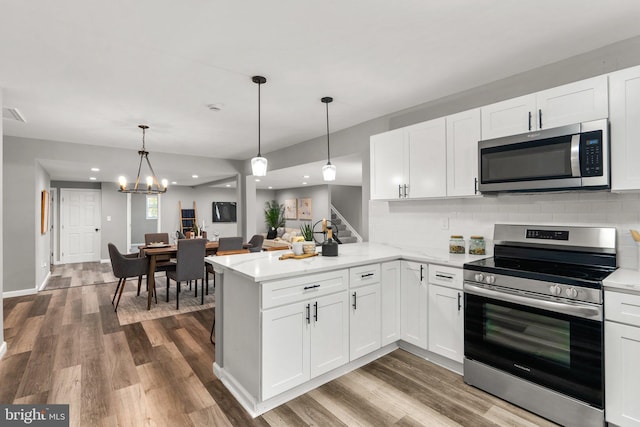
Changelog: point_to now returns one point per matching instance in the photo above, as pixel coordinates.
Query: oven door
(545, 346)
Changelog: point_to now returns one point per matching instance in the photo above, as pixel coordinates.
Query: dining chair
(224, 244)
(163, 262)
(256, 243)
(126, 266)
(189, 265)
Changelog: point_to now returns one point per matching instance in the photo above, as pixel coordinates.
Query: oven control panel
(547, 234)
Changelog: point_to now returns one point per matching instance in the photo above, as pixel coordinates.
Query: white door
(509, 117)
(80, 225)
(625, 127)
(446, 320)
(622, 352)
(285, 351)
(427, 159)
(463, 134)
(387, 165)
(364, 321)
(390, 302)
(329, 333)
(413, 301)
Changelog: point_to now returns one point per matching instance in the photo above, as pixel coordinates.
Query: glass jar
(476, 245)
(456, 245)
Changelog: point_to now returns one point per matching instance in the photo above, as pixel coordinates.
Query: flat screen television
(224, 211)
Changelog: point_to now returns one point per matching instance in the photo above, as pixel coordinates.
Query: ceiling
(89, 71)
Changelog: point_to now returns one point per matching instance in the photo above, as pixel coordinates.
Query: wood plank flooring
(66, 346)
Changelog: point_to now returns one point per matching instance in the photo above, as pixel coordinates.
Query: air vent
(13, 114)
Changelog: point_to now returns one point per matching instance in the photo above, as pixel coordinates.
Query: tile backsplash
(428, 224)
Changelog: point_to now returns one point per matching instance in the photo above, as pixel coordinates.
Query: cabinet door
(509, 117)
(285, 351)
(446, 320)
(427, 157)
(625, 127)
(387, 165)
(413, 301)
(390, 302)
(622, 379)
(463, 134)
(364, 320)
(576, 102)
(329, 333)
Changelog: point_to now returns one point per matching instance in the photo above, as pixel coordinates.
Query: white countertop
(624, 279)
(265, 266)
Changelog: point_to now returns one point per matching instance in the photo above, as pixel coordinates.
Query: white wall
(3, 344)
(43, 241)
(417, 224)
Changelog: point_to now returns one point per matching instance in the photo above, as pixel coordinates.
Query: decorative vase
(309, 247)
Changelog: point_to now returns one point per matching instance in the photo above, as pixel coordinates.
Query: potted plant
(309, 246)
(273, 217)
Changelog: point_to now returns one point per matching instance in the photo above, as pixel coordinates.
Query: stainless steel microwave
(567, 157)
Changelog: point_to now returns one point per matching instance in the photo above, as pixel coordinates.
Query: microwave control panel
(591, 154)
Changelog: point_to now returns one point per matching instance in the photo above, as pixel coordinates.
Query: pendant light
(152, 185)
(328, 170)
(259, 163)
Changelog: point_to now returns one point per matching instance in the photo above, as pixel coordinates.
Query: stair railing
(354, 233)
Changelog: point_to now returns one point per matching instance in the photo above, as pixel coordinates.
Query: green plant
(307, 232)
(274, 214)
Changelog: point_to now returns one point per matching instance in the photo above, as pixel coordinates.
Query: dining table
(154, 250)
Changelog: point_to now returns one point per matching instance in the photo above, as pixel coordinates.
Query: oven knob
(490, 280)
(479, 277)
(555, 290)
(571, 292)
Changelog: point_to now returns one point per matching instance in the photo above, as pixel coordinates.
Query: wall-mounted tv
(224, 211)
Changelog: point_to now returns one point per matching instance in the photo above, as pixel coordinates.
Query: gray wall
(43, 241)
(2, 343)
(262, 197)
(342, 197)
(140, 225)
(114, 205)
(319, 195)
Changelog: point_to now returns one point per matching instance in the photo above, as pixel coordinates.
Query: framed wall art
(44, 211)
(304, 209)
(290, 209)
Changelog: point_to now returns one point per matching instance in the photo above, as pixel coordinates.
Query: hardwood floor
(66, 346)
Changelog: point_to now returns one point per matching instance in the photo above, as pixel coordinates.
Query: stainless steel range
(534, 320)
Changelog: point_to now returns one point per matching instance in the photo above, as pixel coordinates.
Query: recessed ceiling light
(270, 187)
(304, 183)
(306, 176)
(215, 107)
(194, 176)
(92, 178)
(257, 179)
(95, 169)
(174, 182)
(228, 185)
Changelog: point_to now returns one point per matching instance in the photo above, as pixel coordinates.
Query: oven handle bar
(577, 310)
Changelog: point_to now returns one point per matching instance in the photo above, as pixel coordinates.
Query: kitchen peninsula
(284, 327)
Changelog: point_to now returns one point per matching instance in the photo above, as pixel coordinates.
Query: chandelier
(152, 185)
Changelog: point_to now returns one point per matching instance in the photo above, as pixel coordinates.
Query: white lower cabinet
(446, 322)
(364, 320)
(389, 302)
(303, 340)
(413, 303)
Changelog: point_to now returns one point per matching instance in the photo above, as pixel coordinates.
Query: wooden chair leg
(139, 284)
(124, 282)
(196, 294)
(116, 292)
(178, 297)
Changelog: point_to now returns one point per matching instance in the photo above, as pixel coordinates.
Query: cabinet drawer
(621, 307)
(300, 288)
(365, 275)
(450, 277)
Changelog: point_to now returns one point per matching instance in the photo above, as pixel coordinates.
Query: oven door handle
(577, 310)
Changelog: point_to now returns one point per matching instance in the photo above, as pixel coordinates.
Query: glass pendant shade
(329, 172)
(259, 166)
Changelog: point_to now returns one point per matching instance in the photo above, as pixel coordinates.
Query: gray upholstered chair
(163, 262)
(189, 265)
(224, 244)
(256, 243)
(125, 266)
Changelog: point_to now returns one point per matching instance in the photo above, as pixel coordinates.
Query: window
(152, 207)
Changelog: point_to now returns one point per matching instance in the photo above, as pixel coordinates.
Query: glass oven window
(528, 333)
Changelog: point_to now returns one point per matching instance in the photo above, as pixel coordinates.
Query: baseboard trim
(105, 261)
(19, 293)
(3, 349)
(45, 281)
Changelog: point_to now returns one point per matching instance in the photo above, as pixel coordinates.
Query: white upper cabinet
(624, 88)
(463, 134)
(409, 162)
(576, 102)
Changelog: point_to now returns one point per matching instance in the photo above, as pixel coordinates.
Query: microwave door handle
(575, 155)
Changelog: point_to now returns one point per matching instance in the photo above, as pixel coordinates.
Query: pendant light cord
(259, 84)
(328, 156)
